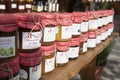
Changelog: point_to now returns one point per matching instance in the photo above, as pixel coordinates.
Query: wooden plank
(74, 66)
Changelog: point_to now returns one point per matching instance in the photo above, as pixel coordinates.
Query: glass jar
(8, 36)
(3, 6)
(28, 6)
(62, 49)
(64, 26)
(74, 48)
(30, 33)
(48, 61)
(49, 23)
(30, 65)
(10, 70)
(21, 6)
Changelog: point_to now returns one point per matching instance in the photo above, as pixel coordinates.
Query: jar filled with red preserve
(8, 36)
(48, 60)
(10, 70)
(64, 21)
(62, 50)
(48, 21)
(30, 32)
(30, 65)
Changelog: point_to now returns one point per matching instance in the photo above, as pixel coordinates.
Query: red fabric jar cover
(84, 37)
(77, 17)
(28, 21)
(85, 16)
(8, 23)
(62, 46)
(11, 66)
(48, 19)
(91, 34)
(75, 42)
(64, 19)
(48, 49)
(31, 59)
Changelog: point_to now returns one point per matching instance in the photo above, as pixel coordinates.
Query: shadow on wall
(112, 71)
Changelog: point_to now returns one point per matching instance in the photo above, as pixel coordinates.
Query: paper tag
(91, 43)
(49, 34)
(66, 32)
(28, 6)
(21, 7)
(7, 47)
(13, 5)
(35, 72)
(84, 47)
(49, 64)
(61, 57)
(3, 7)
(73, 52)
(75, 29)
(84, 27)
(23, 74)
(31, 41)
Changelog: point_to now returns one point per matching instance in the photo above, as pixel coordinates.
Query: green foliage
(102, 57)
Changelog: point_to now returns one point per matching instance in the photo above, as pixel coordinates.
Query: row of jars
(44, 41)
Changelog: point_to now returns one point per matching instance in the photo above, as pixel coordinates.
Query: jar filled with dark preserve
(3, 8)
(30, 65)
(28, 6)
(21, 6)
(49, 23)
(8, 36)
(10, 70)
(48, 60)
(30, 33)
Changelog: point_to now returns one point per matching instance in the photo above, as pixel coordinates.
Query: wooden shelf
(74, 66)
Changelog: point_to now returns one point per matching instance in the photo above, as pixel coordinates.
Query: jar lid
(62, 46)
(31, 59)
(48, 19)
(84, 37)
(48, 49)
(77, 17)
(85, 16)
(75, 41)
(9, 68)
(91, 34)
(64, 19)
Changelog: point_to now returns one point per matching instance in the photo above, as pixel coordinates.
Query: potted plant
(101, 61)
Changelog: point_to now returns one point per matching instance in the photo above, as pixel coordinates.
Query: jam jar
(83, 43)
(48, 60)
(10, 70)
(74, 48)
(48, 21)
(30, 32)
(75, 29)
(62, 50)
(21, 6)
(30, 65)
(28, 6)
(64, 21)
(3, 6)
(8, 36)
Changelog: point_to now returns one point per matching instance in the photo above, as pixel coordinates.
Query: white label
(7, 46)
(98, 39)
(16, 78)
(75, 29)
(21, 7)
(91, 43)
(84, 47)
(35, 73)
(49, 34)
(13, 5)
(31, 41)
(84, 27)
(40, 8)
(53, 6)
(61, 57)
(28, 6)
(73, 52)
(23, 75)
(66, 32)
(2, 7)
(57, 7)
(93, 24)
(49, 64)
(50, 7)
